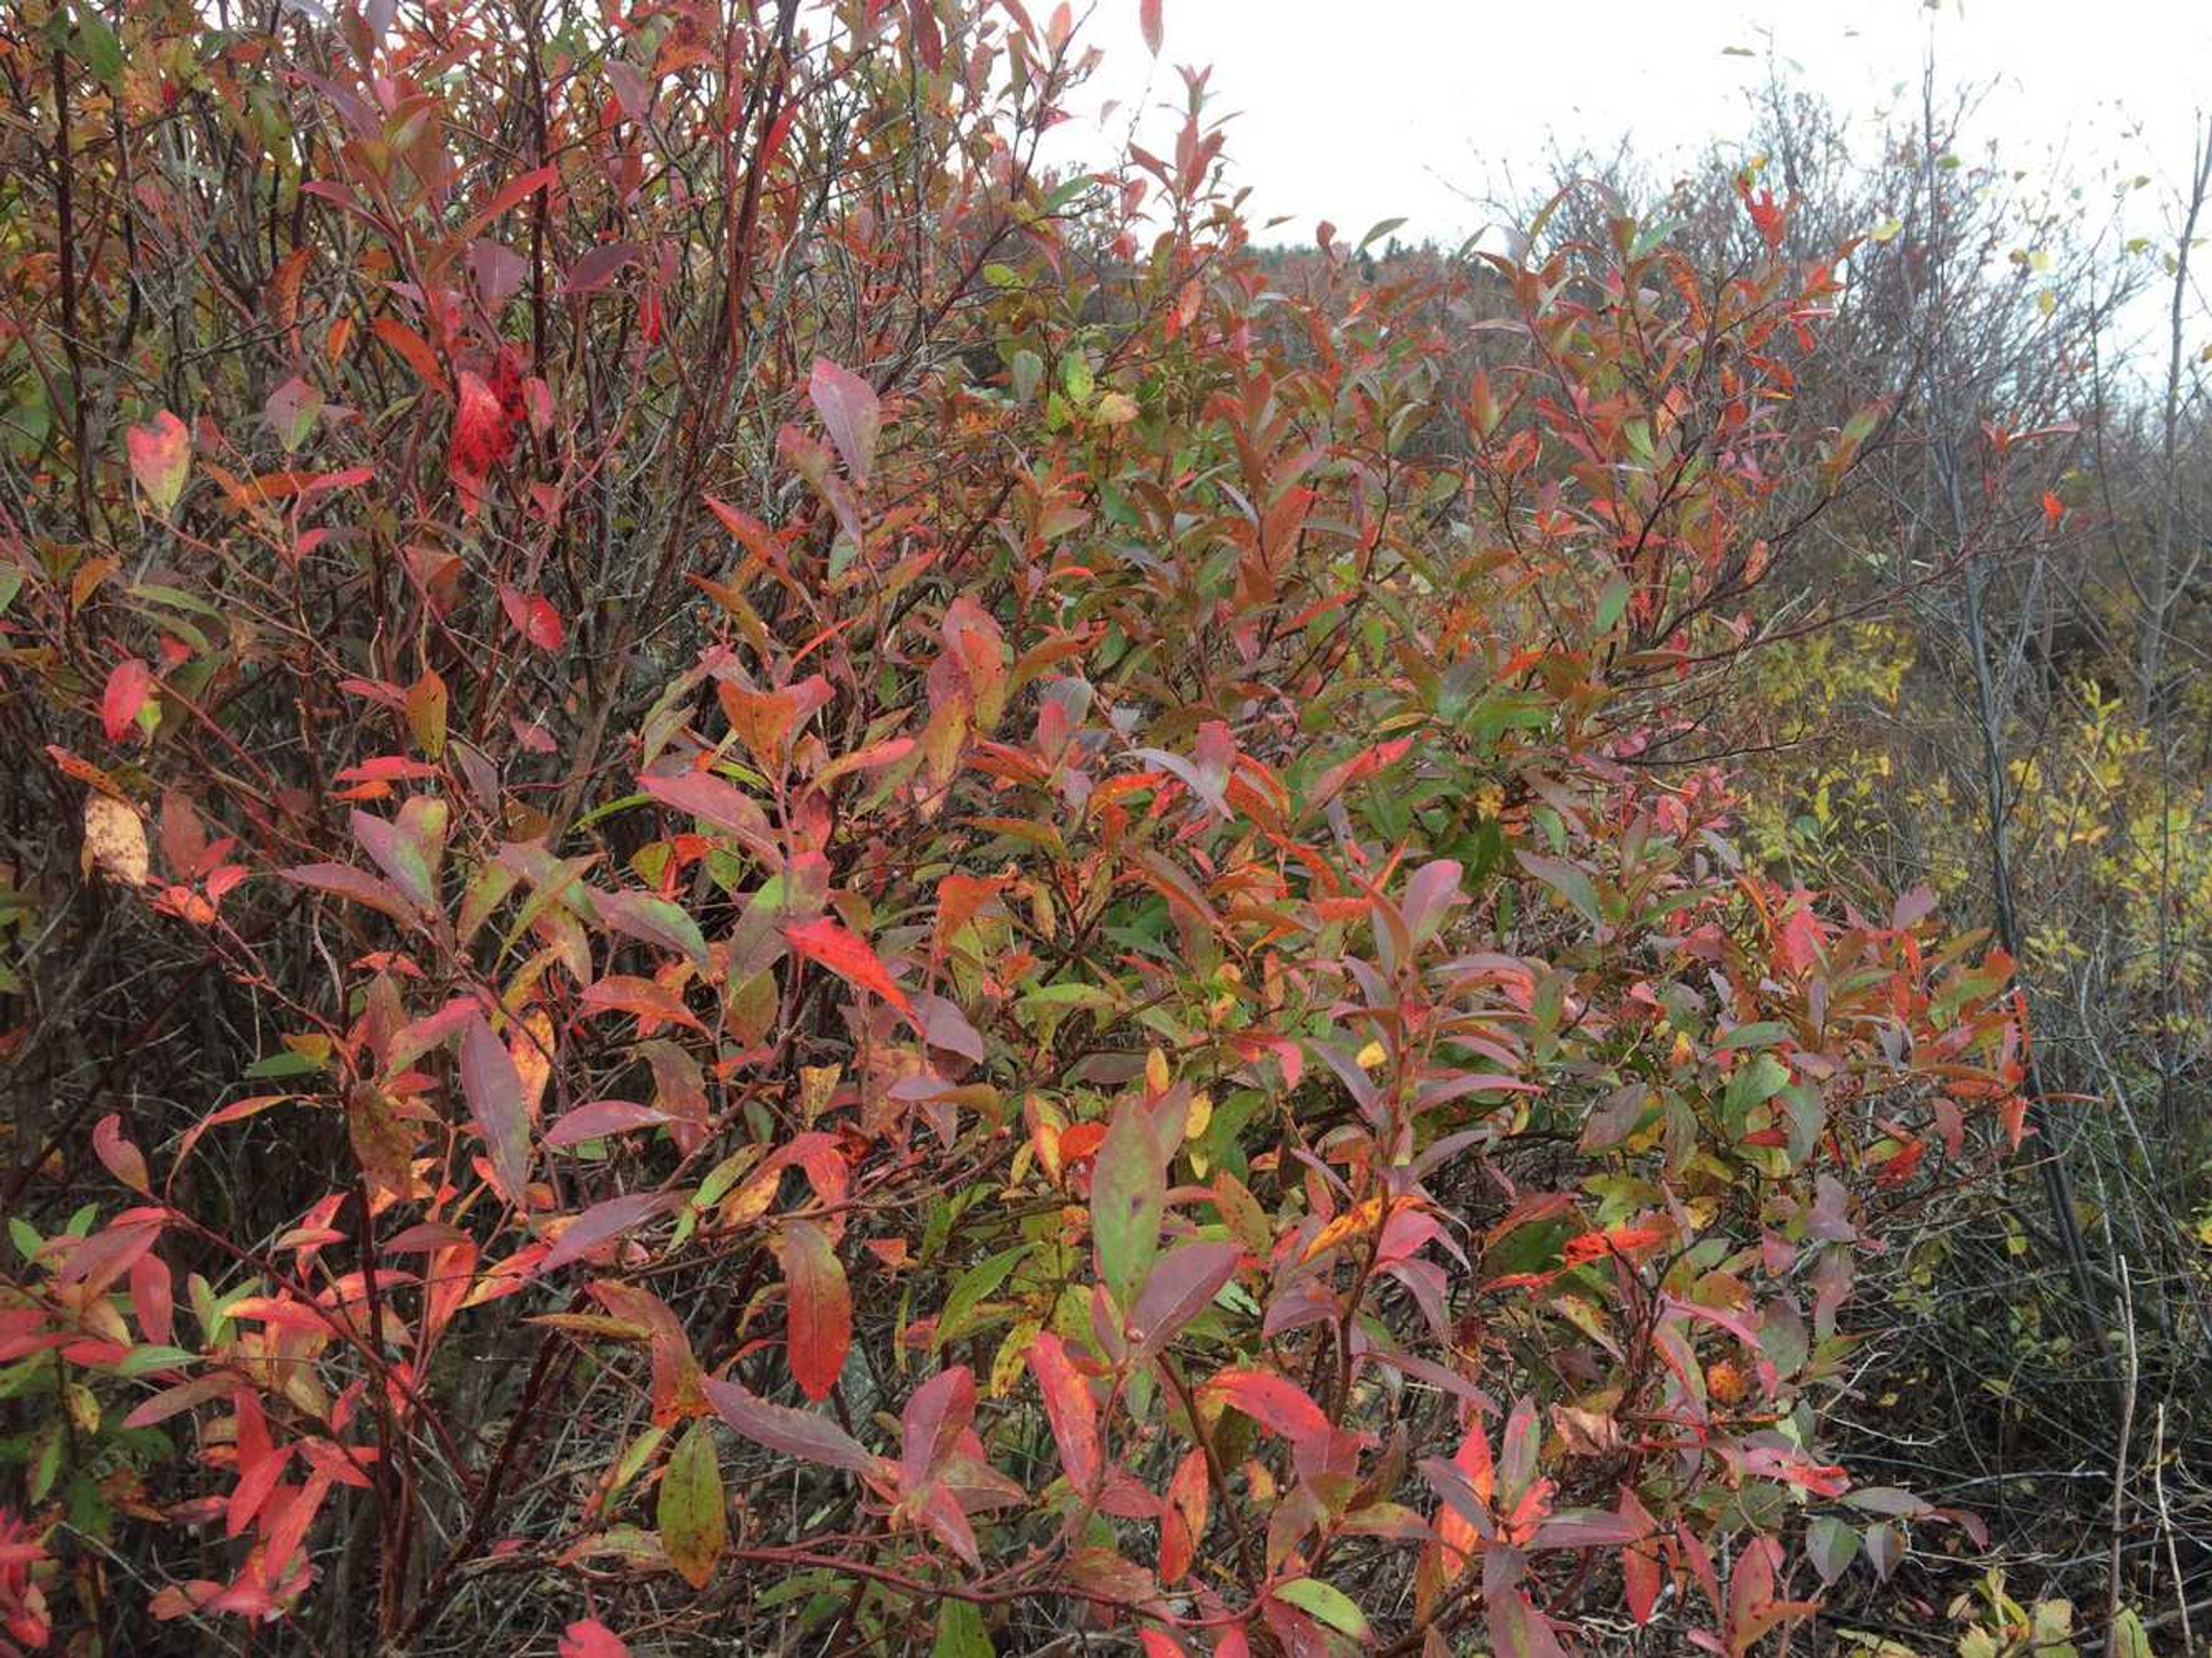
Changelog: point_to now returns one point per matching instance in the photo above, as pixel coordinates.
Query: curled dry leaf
(114, 840)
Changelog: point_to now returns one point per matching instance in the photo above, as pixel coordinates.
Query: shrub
(851, 894)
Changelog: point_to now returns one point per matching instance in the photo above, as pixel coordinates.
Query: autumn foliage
(857, 898)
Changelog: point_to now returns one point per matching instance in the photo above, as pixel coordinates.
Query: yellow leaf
(1349, 1224)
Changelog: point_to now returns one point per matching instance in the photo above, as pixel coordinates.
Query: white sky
(1356, 111)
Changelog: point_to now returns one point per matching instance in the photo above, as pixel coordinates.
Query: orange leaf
(1069, 1408)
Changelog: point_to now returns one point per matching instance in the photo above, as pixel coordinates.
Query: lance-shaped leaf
(846, 955)
(817, 1309)
(344, 881)
(1590, 1528)
(595, 1119)
(713, 801)
(493, 1088)
(605, 1221)
(1432, 892)
(1128, 1197)
(645, 999)
(654, 921)
(1276, 1404)
(1327, 1602)
(1069, 1408)
(848, 408)
(692, 1514)
(802, 1434)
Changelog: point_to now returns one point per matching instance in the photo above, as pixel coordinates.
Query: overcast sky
(1356, 111)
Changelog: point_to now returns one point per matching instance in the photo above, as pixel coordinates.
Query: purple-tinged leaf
(597, 1119)
(802, 1434)
(493, 1088)
(605, 1221)
(1182, 1286)
(848, 408)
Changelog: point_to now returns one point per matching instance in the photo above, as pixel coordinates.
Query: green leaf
(1765, 1034)
(1076, 378)
(1378, 230)
(286, 1063)
(1128, 1198)
(1572, 884)
(97, 48)
(139, 1360)
(1327, 1602)
(1753, 1085)
(693, 1519)
(2130, 1639)
(1612, 603)
(958, 1317)
(960, 1632)
(1833, 1545)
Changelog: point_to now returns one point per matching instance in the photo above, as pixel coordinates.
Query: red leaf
(1821, 1479)
(1590, 1528)
(933, 1422)
(346, 882)
(482, 436)
(125, 696)
(846, 955)
(1148, 20)
(1279, 1407)
(494, 1090)
(119, 1156)
(160, 455)
(818, 1306)
(589, 1638)
(1182, 1522)
(534, 618)
(922, 31)
(1069, 1408)
(848, 408)
(512, 194)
